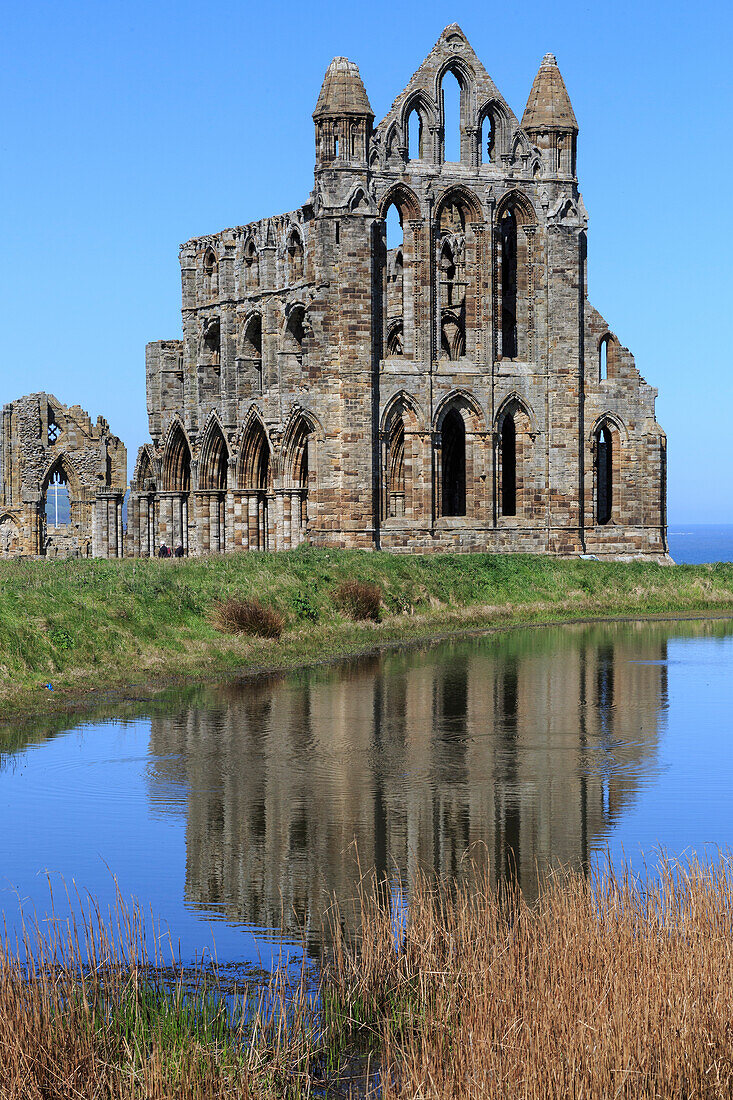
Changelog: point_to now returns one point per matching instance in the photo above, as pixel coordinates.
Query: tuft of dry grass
(359, 599)
(606, 987)
(238, 616)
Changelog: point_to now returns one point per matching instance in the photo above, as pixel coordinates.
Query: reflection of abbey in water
(528, 744)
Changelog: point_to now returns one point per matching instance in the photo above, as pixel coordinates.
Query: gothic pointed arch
(255, 453)
(519, 202)
(460, 420)
(404, 199)
(458, 205)
(295, 255)
(294, 329)
(214, 457)
(177, 460)
(358, 201)
(251, 266)
(514, 433)
(63, 467)
(296, 465)
(249, 381)
(495, 137)
(401, 462)
(144, 477)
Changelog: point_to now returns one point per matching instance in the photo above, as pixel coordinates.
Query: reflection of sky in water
(556, 743)
(684, 803)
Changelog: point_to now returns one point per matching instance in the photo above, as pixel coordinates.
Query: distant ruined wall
(42, 440)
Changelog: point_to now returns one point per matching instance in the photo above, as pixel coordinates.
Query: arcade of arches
(408, 361)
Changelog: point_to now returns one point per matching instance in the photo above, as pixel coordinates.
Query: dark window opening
(604, 474)
(508, 231)
(508, 467)
(336, 146)
(338, 232)
(453, 434)
(53, 428)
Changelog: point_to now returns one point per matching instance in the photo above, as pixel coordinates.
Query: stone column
(253, 521)
(120, 529)
(214, 541)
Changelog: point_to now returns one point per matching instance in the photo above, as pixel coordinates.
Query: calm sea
(694, 543)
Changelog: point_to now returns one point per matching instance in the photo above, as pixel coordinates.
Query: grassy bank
(604, 987)
(91, 624)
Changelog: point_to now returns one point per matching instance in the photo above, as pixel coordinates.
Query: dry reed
(606, 987)
(359, 600)
(87, 1011)
(237, 616)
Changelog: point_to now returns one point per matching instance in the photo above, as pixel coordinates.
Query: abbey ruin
(408, 361)
(47, 450)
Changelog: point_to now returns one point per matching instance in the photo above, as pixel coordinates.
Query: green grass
(86, 625)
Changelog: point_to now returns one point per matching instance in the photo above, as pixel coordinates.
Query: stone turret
(343, 116)
(549, 119)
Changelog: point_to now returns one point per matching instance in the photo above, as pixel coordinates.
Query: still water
(230, 812)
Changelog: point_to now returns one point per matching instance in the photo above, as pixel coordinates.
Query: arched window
(211, 274)
(295, 257)
(212, 342)
(396, 469)
(252, 352)
(603, 358)
(415, 135)
(395, 345)
(453, 436)
(53, 428)
(604, 474)
(452, 338)
(251, 266)
(295, 331)
(450, 91)
(453, 224)
(336, 144)
(58, 503)
(395, 279)
(508, 466)
(508, 236)
(487, 140)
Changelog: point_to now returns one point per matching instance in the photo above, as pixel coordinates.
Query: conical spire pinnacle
(549, 106)
(342, 92)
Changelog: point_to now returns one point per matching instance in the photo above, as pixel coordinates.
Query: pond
(233, 811)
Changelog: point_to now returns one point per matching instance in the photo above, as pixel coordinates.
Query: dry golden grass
(238, 616)
(87, 1012)
(602, 989)
(359, 600)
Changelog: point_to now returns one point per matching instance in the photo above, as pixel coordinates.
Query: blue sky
(129, 128)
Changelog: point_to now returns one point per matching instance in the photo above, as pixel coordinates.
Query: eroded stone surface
(41, 439)
(453, 391)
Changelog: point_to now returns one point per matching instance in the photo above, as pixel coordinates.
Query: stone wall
(442, 392)
(43, 443)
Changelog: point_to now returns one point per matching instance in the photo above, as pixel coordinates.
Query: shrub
(359, 600)
(304, 607)
(235, 616)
